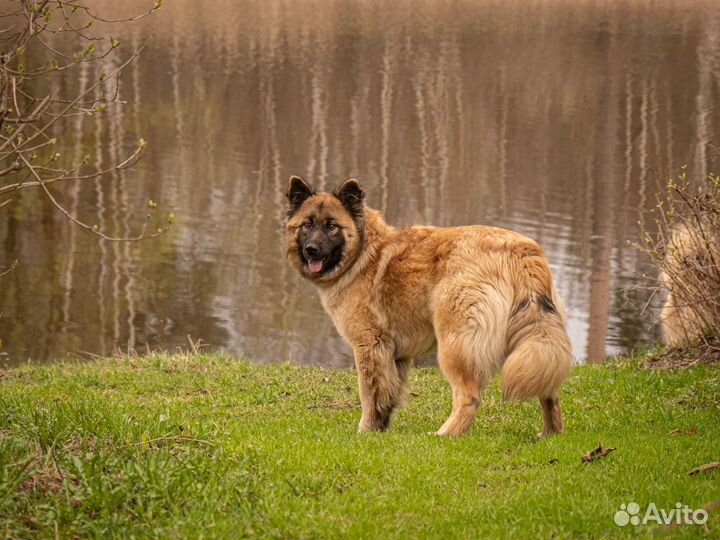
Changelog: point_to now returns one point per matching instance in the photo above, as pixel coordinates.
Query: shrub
(686, 249)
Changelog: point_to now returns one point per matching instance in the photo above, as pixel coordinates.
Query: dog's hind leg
(552, 418)
(460, 372)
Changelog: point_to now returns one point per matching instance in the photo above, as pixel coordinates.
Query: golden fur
(687, 315)
(483, 296)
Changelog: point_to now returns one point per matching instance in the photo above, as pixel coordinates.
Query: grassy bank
(204, 446)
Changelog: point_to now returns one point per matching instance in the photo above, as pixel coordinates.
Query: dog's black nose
(311, 250)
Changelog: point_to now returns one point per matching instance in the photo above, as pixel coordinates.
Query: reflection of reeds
(68, 270)
(449, 113)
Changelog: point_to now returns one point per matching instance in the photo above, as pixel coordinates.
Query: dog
(482, 297)
(690, 312)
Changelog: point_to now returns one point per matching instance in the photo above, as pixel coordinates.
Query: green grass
(205, 446)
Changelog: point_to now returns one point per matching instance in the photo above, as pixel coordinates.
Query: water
(559, 119)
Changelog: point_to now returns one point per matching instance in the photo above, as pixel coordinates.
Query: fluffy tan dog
(483, 296)
(690, 275)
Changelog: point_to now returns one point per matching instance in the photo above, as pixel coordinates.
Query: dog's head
(324, 231)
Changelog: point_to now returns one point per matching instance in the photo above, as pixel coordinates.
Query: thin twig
(12, 266)
(126, 163)
(112, 74)
(76, 221)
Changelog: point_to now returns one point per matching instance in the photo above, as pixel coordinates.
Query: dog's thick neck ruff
(372, 235)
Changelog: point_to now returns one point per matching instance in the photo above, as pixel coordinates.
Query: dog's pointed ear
(351, 195)
(298, 191)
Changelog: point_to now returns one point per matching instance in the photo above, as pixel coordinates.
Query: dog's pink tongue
(315, 265)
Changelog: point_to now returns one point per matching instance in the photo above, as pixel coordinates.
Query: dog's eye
(330, 226)
(307, 225)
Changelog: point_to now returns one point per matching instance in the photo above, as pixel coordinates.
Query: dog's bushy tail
(541, 356)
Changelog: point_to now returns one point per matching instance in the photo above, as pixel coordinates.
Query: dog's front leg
(381, 385)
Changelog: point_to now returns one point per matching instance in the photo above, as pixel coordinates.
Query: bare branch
(27, 156)
(9, 268)
(17, 132)
(112, 74)
(91, 228)
(66, 175)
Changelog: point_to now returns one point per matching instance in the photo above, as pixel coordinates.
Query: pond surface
(559, 119)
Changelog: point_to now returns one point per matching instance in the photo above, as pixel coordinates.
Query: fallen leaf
(705, 468)
(597, 453)
(678, 431)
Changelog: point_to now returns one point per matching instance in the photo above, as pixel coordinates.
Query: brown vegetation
(686, 250)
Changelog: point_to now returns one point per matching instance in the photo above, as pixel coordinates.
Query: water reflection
(555, 118)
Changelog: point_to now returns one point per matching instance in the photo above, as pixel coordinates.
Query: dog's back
(496, 307)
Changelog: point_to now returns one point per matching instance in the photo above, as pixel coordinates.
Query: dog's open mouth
(316, 265)
(320, 266)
